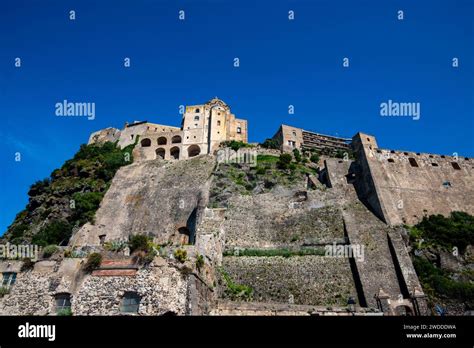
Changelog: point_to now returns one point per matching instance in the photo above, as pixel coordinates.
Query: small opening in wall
(466, 159)
(447, 184)
(379, 151)
(434, 164)
(413, 162)
(431, 156)
(130, 302)
(456, 165)
(218, 122)
(196, 111)
(391, 160)
(368, 139)
(63, 302)
(239, 130)
(392, 151)
(9, 279)
(417, 153)
(102, 239)
(443, 156)
(405, 153)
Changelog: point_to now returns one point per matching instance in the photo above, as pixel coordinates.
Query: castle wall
(402, 187)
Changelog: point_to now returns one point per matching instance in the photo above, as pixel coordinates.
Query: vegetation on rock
(93, 261)
(70, 197)
(442, 261)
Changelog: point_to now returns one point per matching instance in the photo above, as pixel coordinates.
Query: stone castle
(361, 200)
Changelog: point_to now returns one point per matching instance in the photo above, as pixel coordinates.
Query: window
(413, 162)
(196, 118)
(63, 302)
(291, 143)
(218, 123)
(146, 142)
(239, 130)
(176, 139)
(456, 165)
(130, 302)
(447, 184)
(131, 136)
(9, 279)
(196, 111)
(162, 141)
(294, 133)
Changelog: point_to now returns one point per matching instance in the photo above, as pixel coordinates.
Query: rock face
(156, 198)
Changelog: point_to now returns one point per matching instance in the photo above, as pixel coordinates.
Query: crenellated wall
(401, 187)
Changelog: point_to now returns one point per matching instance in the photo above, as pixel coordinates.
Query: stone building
(203, 128)
(290, 138)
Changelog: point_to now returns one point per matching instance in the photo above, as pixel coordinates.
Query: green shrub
(260, 170)
(27, 264)
(457, 230)
(115, 245)
(297, 155)
(314, 158)
(64, 312)
(181, 255)
(237, 291)
(139, 242)
(199, 262)
(235, 145)
(93, 261)
(49, 250)
(86, 204)
(56, 232)
(270, 144)
(284, 161)
(4, 291)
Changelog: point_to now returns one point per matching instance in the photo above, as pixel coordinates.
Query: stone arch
(176, 139)
(194, 150)
(174, 152)
(160, 152)
(63, 302)
(403, 310)
(162, 141)
(146, 142)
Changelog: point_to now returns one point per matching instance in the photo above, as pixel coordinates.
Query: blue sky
(188, 62)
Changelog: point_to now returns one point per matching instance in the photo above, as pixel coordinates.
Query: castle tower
(207, 125)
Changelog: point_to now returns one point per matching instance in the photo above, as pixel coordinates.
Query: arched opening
(63, 303)
(162, 141)
(184, 235)
(146, 142)
(403, 310)
(193, 150)
(130, 302)
(174, 152)
(176, 139)
(160, 153)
